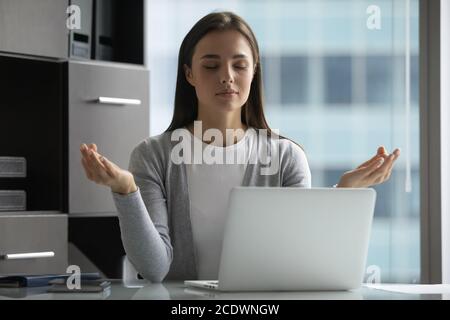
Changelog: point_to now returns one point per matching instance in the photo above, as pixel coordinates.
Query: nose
(226, 76)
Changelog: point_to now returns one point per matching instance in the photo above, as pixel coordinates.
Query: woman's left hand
(374, 171)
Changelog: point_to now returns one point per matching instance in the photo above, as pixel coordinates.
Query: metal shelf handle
(118, 101)
(30, 255)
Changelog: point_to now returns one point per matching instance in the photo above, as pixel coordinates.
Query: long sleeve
(296, 172)
(143, 218)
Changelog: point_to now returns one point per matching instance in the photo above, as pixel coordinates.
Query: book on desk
(88, 286)
(20, 280)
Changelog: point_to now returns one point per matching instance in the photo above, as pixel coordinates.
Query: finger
(393, 157)
(384, 172)
(92, 168)
(110, 169)
(98, 168)
(381, 150)
(367, 170)
(396, 152)
(365, 163)
(383, 169)
(87, 170)
(93, 146)
(84, 150)
(374, 159)
(95, 159)
(86, 157)
(86, 153)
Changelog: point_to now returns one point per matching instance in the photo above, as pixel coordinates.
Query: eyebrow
(216, 56)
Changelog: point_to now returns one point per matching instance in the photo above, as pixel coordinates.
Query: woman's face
(222, 62)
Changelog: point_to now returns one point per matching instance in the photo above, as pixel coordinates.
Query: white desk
(177, 291)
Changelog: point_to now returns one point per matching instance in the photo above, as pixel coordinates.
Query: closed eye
(238, 67)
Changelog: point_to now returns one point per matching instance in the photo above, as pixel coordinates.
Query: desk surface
(177, 291)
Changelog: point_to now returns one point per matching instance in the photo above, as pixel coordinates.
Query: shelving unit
(50, 107)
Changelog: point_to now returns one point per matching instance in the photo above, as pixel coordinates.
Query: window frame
(430, 137)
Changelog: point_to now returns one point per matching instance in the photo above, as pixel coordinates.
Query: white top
(209, 186)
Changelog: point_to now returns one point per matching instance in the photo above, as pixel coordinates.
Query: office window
(379, 76)
(414, 79)
(271, 79)
(294, 80)
(285, 80)
(338, 80)
(334, 86)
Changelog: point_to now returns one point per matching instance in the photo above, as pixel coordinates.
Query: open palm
(372, 172)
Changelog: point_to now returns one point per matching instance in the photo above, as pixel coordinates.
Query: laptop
(294, 239)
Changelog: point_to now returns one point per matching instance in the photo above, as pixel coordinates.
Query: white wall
(445, 138)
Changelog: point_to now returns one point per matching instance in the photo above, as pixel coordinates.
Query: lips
(228, 92)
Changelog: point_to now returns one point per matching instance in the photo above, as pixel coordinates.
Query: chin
(228, 107)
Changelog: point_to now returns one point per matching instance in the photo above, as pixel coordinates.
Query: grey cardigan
(155, 220)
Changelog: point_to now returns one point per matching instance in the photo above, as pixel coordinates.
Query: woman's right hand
(104, 172)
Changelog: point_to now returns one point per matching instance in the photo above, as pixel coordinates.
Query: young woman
(172, 214)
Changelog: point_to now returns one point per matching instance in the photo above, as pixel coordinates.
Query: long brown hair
(186, 102)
